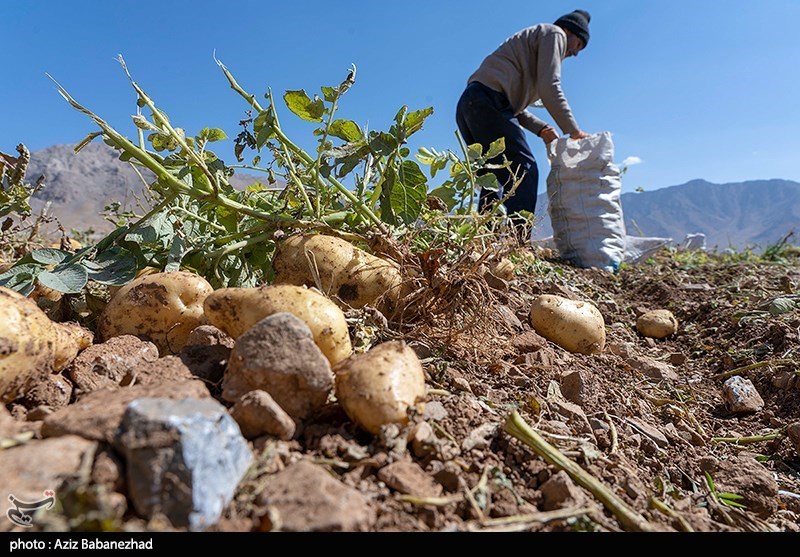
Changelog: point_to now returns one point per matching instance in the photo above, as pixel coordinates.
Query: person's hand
(579, 135)
(548, 134)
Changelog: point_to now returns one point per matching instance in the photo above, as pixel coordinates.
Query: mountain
(752, 214)
(80, 185)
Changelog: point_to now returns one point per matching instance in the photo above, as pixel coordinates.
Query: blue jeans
(483, 116)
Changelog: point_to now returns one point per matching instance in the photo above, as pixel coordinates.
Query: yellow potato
(350, 276)
(575, 326)
(659, 324)
(380, 386)
(235, 310)
(31, 345)
(162, 308)
(504, 269)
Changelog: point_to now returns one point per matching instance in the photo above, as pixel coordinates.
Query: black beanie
(578, 23)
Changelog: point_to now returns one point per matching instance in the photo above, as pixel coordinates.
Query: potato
(575, 326)
(31, 345)
(162, 308)
(659, 324)
(504, 269)
(352, 277)
(379, 386)
(235, 310)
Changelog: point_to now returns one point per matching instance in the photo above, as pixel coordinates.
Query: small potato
(349, 275)
(235, 310)
(162, 308)
(504, 269)
(575, 326)
(660, 324)
(379, 386)
(31, 345)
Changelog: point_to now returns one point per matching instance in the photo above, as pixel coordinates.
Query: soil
(646, 421)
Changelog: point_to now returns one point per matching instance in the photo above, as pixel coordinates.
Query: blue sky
(704, 89)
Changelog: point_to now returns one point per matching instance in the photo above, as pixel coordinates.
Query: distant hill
(80, 185)
(751, 214)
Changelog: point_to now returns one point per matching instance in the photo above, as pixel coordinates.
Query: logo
(19, 513)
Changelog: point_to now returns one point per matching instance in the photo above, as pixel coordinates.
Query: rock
(573, 413)
(422, 439)
(510, 319)
(278, 355)
(9, 427)
(258, 414)
(622, 349)
(109, 364)
(448, 476)
(560, 492)
(658, 324)
(108, 470)
(529, 341)
(209, 335)
(54, 391)
(408, 478)
(573, 387)
(658, 371)
(97, 415)
(435, 410)
(745, 476)
(654, 434)
(678, 358)
(168, 368)
(793, 432)
(480, 437)
(184, 459)
(306, 498)
(30, 469)
(741, 395)
(206, 361)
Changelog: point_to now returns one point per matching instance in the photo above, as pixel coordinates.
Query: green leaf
(448, 195)
(143, 123)
(382, 143)
(330, 93)
(409, 193)
(307, 109)
(50, 256)
(21, 277)
(211, 134)
(115, 266)
(475, 151)
(176, 253)
(69, 279)
(264, 127)
(782, 305)
(346, 130)
(496, 148)
(389, 179)
(413, 122)
(488, 182)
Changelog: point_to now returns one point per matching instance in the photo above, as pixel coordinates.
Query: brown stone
(258, 414)
(408, 478)
(108, 364)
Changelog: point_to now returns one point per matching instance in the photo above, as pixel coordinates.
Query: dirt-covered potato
(235, 310)
(659, 324)
(379, 386)
(504, 269)
(162, 308)
(349, 275)
(31, 345)
(575, 326)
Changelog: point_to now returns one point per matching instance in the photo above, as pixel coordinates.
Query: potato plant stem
(305, 157)
(516, 426)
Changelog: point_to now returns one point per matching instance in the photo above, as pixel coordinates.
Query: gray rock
(98, 415)
(306, 498)
(258, 414)
(184, 458)
(30, 469)
(741, 395)
(278, 355)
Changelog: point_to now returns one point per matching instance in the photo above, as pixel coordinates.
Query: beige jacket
(527, 68)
